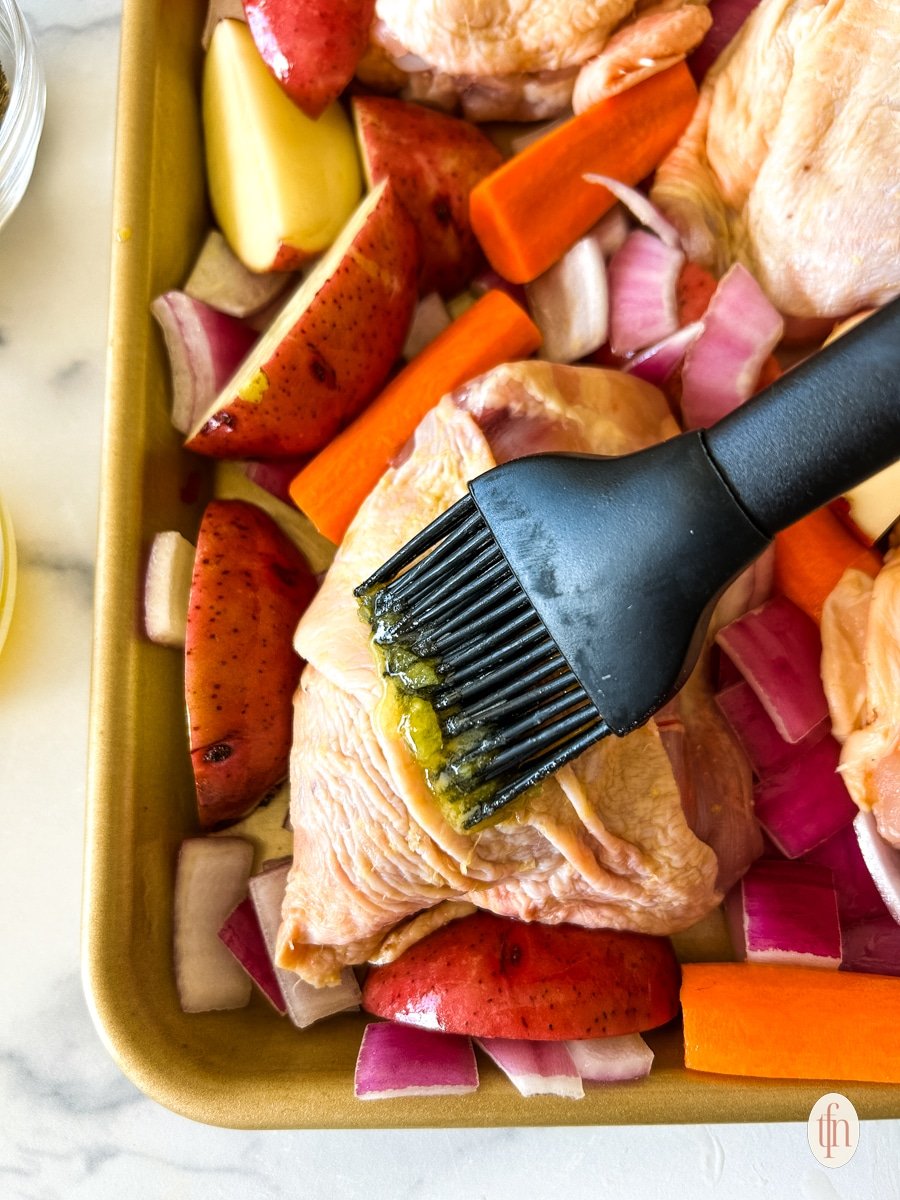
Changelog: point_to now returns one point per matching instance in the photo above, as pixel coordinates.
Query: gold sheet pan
(248, 1068)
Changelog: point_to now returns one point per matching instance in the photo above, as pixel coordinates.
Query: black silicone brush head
(565, 598)
(510, 709)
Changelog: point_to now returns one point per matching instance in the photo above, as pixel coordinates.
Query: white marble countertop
(72, 1126)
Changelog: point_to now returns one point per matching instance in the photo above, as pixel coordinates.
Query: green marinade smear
(413, 716)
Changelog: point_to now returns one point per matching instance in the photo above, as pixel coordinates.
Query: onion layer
(612, 1059)
(205, 346)
(305, 1003)
(401, 1060)
(785, 912)
(777, 649)
(535, 1068)
(569, 303)
(721, 368)
(643, 276)
(210, 881)
(805, 803)
(882, 860)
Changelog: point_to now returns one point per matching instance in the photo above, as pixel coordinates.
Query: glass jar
(7, 571)
(21, 124)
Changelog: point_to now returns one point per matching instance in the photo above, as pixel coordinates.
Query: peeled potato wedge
(281, 185)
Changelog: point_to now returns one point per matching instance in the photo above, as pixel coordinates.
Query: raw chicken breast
(791, 164)
(861, 674)
(605, 843)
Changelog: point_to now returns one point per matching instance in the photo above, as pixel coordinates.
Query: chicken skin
(791, 164)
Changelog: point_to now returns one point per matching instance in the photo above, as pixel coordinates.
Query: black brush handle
(825, 426)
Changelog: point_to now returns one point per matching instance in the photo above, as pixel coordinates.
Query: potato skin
(433, 160)
(249, 587)
(490, 976)
(345, 332)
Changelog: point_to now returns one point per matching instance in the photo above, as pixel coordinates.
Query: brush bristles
(511, 710)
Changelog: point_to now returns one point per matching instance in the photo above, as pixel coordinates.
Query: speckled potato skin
(335, 356)
(433, 161)
(249, 587)
(311, 46)
(490, 976)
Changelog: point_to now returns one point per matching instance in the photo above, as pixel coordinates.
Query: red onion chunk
(305, 1003)
(785, 912)
(882, 859)
(858, 897)
(741, 329)
(167, 588)
(221, 280)
(752, 588)
(210, 881)
(777, 648)
(657, 363)
(275, 475)
(243, 937)
(205, 346)
(430, 318)
(569, 303)
(535, 1068)
(728, 16)
(612, 1059)
(806, 802)
(766, 749)
(401, 1060)
(642, 279)
(872, 946)
(643, 210)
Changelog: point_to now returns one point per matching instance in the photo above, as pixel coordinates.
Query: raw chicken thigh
(520, 60)
(861, 674)
(791, 164)
(605, 843)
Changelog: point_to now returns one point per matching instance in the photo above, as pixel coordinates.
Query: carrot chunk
(812, 555)
(528, 212)
(332, 486)
(790, 1022)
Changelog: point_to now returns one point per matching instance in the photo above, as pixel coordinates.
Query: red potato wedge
(330, 348)
(312, 47)
(281, 186)
(249, 587)
(489, 976)
(434, 161)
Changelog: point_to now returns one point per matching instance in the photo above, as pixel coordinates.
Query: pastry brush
(567, 597)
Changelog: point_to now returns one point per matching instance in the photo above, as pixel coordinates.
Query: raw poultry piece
(519, 60)
(861, 674)
(604, 843)
(657, 38)
(792, 162)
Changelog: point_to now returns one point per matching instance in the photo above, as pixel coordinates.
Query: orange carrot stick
(333, 485)
(528, 212)
(812, 555)
(790, 1022)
